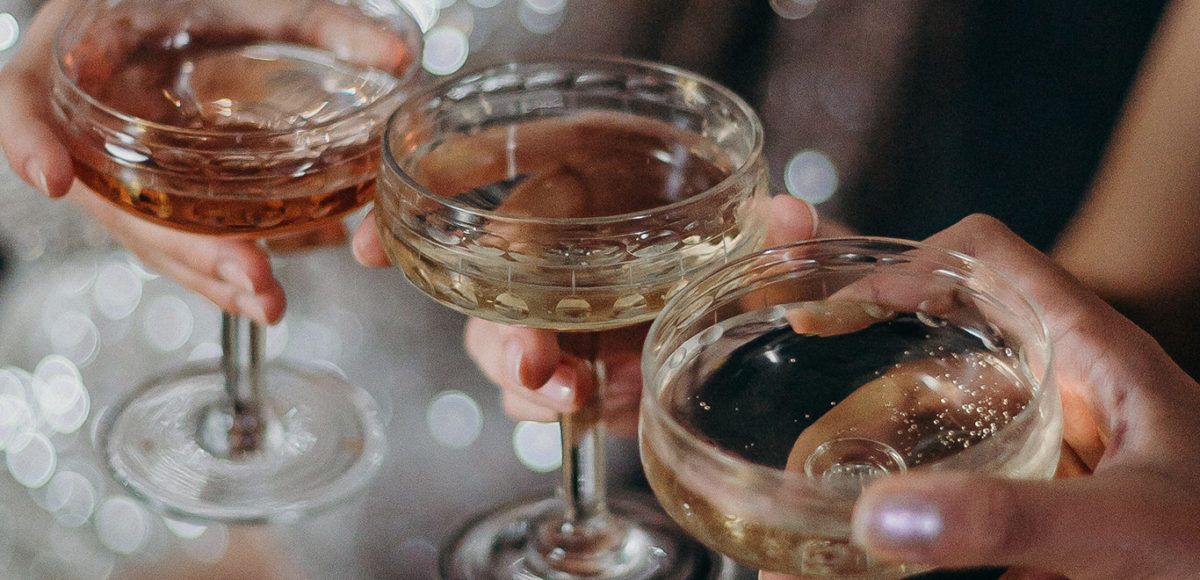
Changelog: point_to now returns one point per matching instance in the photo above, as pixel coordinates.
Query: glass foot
(322, 443)
(499, 546)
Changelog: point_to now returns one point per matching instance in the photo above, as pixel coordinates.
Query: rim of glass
(729, 460)
(439, 90)
(67, 82)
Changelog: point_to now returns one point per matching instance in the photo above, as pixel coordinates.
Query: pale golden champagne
(590, 165)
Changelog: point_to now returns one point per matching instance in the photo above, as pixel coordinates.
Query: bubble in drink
(579, 166)
(842, 393)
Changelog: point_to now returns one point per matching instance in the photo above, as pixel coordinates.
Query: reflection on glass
(577, 197)
(781, 385)
(244, 121)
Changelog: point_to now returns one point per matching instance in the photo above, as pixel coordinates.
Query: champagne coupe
(779, 386)
(574, 196)
(245, 120)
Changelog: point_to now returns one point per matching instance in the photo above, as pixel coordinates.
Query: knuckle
(522, 410)
(224, 298)
(984, 223)
(1002, 528)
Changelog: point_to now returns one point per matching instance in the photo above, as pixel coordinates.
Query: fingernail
(514, 357)
(33, 170)
(230, 272)
(902, 526)
(560, 389)
(251, 307)
(816, 217)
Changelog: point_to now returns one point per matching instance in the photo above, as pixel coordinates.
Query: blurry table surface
(452, 451)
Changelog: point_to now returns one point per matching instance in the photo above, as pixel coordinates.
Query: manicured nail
(230, 272)
(816, 217)
(33, 170)
(514, 357)
(902, 526)
(250, 306)
(560, 389)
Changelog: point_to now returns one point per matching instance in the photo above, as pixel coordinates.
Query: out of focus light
(16, 421)
(185, 530)
(122, 525)
(538, 445)
(71, 498)
(541, 16)
(74, 335)
(167, 323)
(9, 31)
(32, 461)
(454, 419)
(117, 291)
(446, 50)
(425, 12)
(57, 384)
(811, 176)
(11, 383)
(484, 3)
(546, 6)
(793, 9)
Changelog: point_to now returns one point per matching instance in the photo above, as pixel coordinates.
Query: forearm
(1135, 240)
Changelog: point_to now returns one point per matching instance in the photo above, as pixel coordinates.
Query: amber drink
(249, 120)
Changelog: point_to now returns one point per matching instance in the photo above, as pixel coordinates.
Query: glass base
(322, 443)
(497, 546)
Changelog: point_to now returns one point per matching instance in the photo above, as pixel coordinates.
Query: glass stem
(583, 482)
(242, 363)
(584, 541)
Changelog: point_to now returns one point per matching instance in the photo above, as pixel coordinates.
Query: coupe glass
(582, 277)
(244, 120)
(780, 385)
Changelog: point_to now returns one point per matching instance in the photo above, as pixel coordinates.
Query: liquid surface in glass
(921, 386)
(550, 274)
(845, 393)
(581, 166)
(229, 86)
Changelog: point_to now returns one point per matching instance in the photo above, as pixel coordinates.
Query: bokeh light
(793, 9)
(454, 419)
(185, 530)
(546, 6)
(71, 498)
(811, 176)
(446, 50)
(167, 323)
(538, 445)
(75, 335)
(32, 461)
(117, 291)
(10, 31)
(122, 525)
(541, 16)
